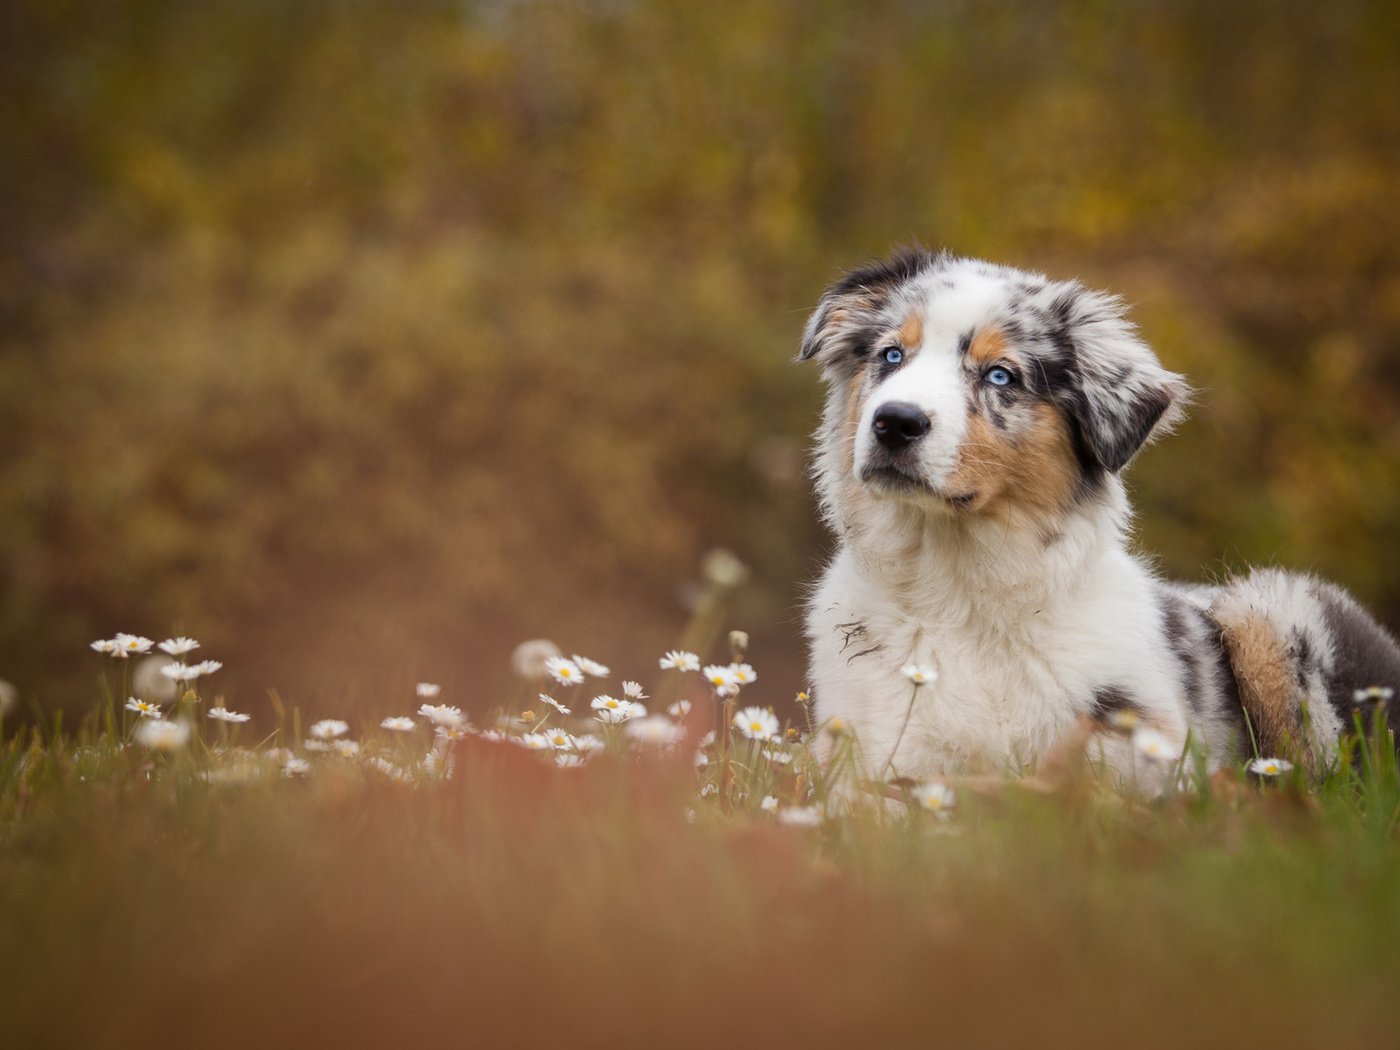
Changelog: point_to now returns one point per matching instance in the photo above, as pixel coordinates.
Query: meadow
(363, 339)
(596, 866)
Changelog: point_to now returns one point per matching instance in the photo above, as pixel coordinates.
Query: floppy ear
(1119, 395)
(840, 329)
(846, 321)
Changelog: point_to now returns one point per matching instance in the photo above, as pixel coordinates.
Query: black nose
(899, 424)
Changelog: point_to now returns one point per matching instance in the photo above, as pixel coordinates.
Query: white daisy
(608, 703)
(528, 660)
(545, 698)
(436, 763)
(107, 646)
(1151, 744)
(223, 714)
(757, 723)
(452, 733)
(296, 767)
(591, 667)
(188, 673)
(329, 729)
(624, 712)
(567, 760)
(563, 671)
(132, 643)
(742, 674)
(656, 730)
(588, 742)
(722, 678)
(149, 684)
(399, 724)
(346, 748)
(1270, 767)
(178, 646)
(162, 735)
(919, 674)
(142, 708)
(937, 798)
(442, 715)
(1373, 694)
(633, 691)
(723, 568)
(679, 709)
(315, 745)
(680, 660)
(534, 742)
(800, 816)
(778, 756)
(559, 739)
(427, 690)
(769, 804)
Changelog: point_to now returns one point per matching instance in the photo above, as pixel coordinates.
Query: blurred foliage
(361, 339)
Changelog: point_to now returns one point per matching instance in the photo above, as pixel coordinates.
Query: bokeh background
(362, 339)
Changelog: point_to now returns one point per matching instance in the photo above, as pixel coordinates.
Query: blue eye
(894, 355)
(999, 377)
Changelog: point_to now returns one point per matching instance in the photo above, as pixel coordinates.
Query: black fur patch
(874, 282)
(886, 274)
(1176, 626)
(1230, 702)
(1053, 374)
(1131, 428)
(1198, 644)
(1111, 700)
(1363, 654)
(1062, 375)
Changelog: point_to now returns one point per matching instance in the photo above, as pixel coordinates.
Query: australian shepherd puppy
(968, 461)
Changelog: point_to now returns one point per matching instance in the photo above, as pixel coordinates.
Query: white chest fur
(1020, 654)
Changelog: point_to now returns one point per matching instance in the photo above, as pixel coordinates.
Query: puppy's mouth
(892, 479)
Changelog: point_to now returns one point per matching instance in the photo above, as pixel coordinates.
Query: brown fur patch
(1030, 469)
(854, 404)
(1269, 691)
(1045, 468)
(911, 332)
(988, 346)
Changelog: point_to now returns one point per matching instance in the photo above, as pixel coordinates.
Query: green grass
(520, 904)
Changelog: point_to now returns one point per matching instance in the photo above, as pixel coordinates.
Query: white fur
(1020, 641)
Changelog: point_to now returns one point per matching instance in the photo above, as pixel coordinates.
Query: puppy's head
(971, 389)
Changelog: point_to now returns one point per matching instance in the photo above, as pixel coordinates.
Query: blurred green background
(363, 339)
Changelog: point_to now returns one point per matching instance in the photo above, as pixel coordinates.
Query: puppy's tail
(1303, 652)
